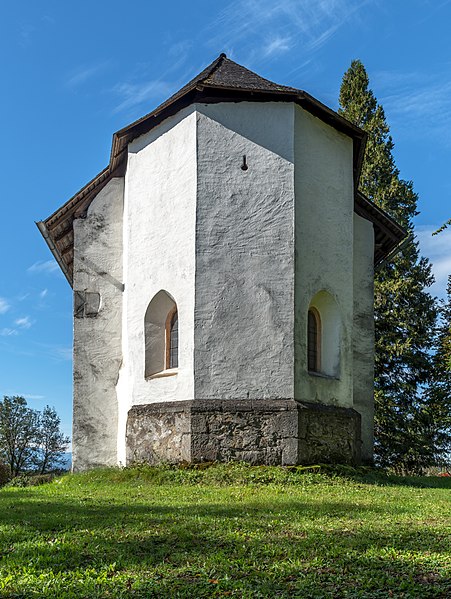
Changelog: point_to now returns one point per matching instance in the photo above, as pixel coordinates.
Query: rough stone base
(268, 432)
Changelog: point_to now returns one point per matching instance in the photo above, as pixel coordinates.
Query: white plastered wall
(244, 251)
(97, 338)
(324, 207)
(364, 331)
(159, 253)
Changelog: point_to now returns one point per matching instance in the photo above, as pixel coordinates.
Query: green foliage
(5, 474)
(405, 313)
(19, 427)
(266, 532)
(443, 227)
(52, 443)
(29, 439)
(439, 391)
(30, 480)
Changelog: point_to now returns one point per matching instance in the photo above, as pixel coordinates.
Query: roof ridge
(192, 83)
(226, 73)
(205, 73)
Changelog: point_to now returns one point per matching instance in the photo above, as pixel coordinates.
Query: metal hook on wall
(244, 166)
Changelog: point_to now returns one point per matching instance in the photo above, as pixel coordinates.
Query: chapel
(222, 268)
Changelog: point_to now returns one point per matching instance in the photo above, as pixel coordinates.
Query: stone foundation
(270, 432)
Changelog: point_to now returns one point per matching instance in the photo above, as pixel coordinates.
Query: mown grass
(227, 531)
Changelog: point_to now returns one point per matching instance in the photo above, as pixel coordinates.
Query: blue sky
(73, 73)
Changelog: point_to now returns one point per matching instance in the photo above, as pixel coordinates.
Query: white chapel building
(222, 268)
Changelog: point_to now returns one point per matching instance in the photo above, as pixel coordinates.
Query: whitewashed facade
(233, 205)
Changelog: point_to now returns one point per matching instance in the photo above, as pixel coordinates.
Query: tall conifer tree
(438, 415)
(405, 313)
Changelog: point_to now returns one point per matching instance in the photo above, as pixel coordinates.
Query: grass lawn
(226, 531)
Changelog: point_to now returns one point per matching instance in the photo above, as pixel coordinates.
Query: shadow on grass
(266, 548)
(375, 476)
(53, 515)
(200, 525)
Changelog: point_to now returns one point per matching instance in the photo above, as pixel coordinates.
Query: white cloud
(180, 49)
(423, 98)
(64, 353)
(83, 74)
(278, 45)
(25, 395)
(4, 306)
(133, 94)
(24, 322)
(49, 266)
(285, 23)
(438, 249)
(43, 293)
(26, 32)
(8, 332)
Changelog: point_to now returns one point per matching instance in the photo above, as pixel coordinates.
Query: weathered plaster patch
(97, 328)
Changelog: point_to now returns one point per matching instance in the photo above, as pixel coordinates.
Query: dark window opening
(173, 338)
(313, 341)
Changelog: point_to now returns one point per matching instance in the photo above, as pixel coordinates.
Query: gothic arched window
(314, 341)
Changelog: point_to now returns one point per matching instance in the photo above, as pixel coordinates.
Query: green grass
(227, 531)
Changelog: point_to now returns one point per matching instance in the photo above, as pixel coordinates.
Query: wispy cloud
(278, 45)
(134, 94)
(48, 19)
(4, 305)
(26, 30)
(8, 332)
(438, 249)
(420, 98)
(264, 29)
(23, 323)
(43, 293)
(180, 49)
(49, 266)
(20, 324)
(83, 74)
(62, 353)
(31, 396)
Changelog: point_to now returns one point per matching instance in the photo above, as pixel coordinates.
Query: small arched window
(172, 339)
(161, 335)
(314, 341)
(324, 335)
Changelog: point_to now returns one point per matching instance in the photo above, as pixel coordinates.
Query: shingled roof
(222, 81)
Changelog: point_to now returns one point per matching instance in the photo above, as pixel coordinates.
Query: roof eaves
(44, 232)
(390, 233)
(53, 219)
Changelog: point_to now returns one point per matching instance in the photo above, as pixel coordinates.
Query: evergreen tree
(405, 313)
(439, 392)
(443, 227)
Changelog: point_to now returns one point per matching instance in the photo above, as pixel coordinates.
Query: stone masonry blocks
(271, 432)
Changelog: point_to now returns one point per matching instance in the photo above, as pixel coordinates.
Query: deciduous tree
(19, 427)
(51, 442)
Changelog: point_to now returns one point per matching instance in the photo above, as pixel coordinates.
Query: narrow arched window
(314, 341)
(161, 335)
(172, 339)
